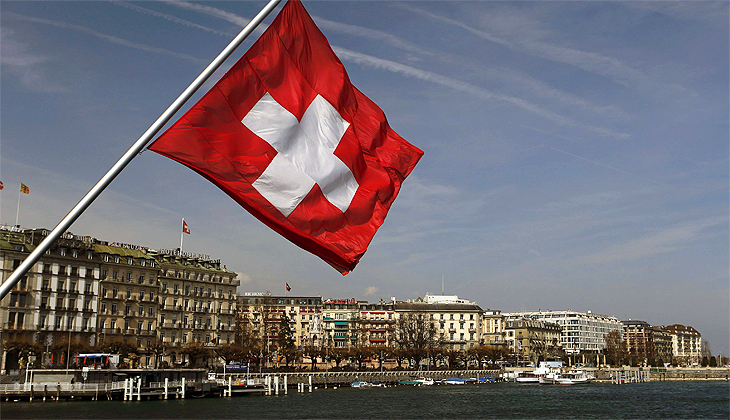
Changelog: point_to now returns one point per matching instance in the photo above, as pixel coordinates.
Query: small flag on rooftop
(288, 288)
(24, 188)
(186, 229)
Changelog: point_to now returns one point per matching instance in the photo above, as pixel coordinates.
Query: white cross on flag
(286, 135)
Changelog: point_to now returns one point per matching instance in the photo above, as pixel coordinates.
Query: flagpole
(136, 148)
(17, 212)
(182, 233)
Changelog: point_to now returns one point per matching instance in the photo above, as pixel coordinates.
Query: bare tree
(417, 334)
(616, 349)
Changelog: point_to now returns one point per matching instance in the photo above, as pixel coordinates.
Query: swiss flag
(286, 135)
(186, 229)
(288, 288)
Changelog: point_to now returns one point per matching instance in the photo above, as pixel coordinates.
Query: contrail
(602, 164)
(110, 38)
(171, 18)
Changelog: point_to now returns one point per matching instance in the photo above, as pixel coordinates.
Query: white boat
(426, 381)
(542, 370)
(453, 381)
(526, 377)
(361, 384)
(573, 377)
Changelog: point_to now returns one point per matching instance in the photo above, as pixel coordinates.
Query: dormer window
(106, 257)
(63, 252)
(129, 260)
(142, 262)
(116, 259)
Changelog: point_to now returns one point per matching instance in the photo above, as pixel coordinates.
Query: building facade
(458, 324)
(493, 328)
(129, 297)
(376, 323)
(341, 320)
(532, 339)
(581, 332)
(260, 314)
(198, 300)
(686, 344)
(639, 337)
(88, 292)
(56, 302)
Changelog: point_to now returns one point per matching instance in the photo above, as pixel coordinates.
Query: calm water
(648, 400)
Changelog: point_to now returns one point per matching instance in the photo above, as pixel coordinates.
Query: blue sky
(576, 153)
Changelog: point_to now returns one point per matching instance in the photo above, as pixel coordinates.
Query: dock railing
(64, 387)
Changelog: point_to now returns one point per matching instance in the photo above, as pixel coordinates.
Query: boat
(377, 384)
(409, 382)
(453, 381)
(525, 377)
(543, 370)
(573, 377)
(426, 381)
(361, 384)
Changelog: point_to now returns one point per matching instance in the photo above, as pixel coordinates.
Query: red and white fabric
(286, 135)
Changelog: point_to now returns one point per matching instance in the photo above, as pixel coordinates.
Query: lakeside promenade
(151, 384)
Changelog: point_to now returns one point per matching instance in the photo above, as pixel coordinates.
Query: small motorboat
(361, 384)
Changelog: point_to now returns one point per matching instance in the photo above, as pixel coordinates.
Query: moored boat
(361, 384)
(409, 382)
(453, 381)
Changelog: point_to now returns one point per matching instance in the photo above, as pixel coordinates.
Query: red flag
(287, 136)
(186, 229)
(288, 288)
(1, 185)
(24, 188)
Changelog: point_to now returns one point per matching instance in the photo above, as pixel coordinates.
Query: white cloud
(666, 240)
(371, 291)
(27, 66)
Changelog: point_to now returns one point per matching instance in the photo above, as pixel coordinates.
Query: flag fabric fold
(185, 227)
(287, 136)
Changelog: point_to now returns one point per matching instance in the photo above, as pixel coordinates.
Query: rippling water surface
(647, 400)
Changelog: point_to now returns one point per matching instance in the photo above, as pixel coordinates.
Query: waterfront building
(260, 314)
(662, 344)
(532, 339)
(55, 302)
(376, 323)
(493, 328)
(686, 344)
(639, 337)
(198, 300)
(129, 297)
(341, 320)
(458, 323)
(581, 332)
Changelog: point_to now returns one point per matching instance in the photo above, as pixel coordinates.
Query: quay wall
(346, 378)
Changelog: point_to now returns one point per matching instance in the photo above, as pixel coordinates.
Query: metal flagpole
(17, 212)
(182, 233)
(136, 148)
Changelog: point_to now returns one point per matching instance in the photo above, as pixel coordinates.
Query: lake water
(502, 400)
